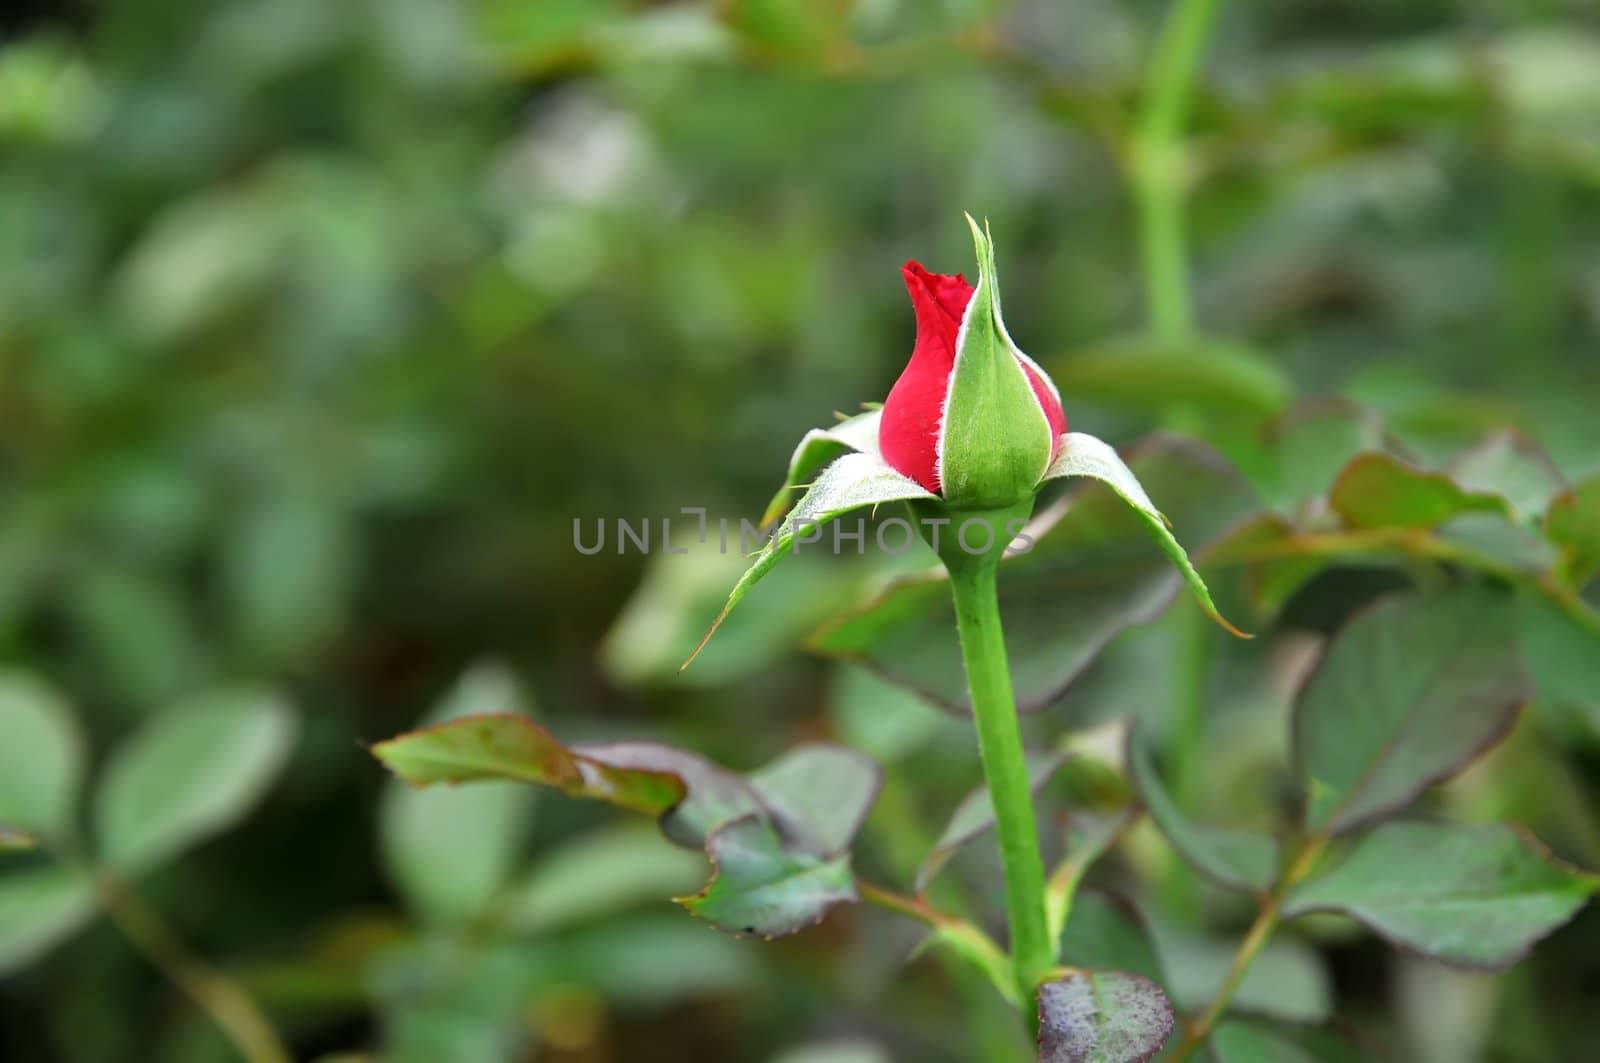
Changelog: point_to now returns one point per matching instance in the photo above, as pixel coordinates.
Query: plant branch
(229, 1006)
(1158, 166)
(1255, 939)
(1158, 174)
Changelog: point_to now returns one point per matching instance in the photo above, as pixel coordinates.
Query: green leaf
(1287, 980)
(1275, 559)
(974, 815)
(710, 795)
(1382, 491)
(1084, 455)
(41, 757)
(1256, 1040)
(1294, 459)
(679, 596)
(1491, 543)
(136, 627)
(1107, 933)
(778, 838)
(820, 446)
(1092, 571)
(1561, 647)
(1472, 896)
(1102, 1017)
(1211, 375)
(1511, 467)
(1410, 691)
(1238, 859)
(189, 773)
(507, 746)
(852, 482)
(885, 721)
(819, 795)
(1271, 561)
(40, 907)
(650, 961)
(439, 999)
(286, 566)
(761, 887)
(1573, 524)
(598, 875)
(794, 29)
(1084, 769)
(449, 851)
(994, 441)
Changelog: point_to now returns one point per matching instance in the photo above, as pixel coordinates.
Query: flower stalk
(973, 583)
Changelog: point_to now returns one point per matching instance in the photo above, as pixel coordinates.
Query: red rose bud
(971, 418)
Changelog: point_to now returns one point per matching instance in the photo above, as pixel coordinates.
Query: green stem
(229, 1006)
(983, 650)
(1158, 166)
(1159, 178)
(1162, 243)
(1255, 939)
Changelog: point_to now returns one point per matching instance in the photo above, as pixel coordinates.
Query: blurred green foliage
(320, 323)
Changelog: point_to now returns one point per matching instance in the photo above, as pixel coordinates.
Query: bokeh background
(320, 323)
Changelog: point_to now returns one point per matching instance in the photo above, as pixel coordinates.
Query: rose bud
(972, 424)
(971, 418)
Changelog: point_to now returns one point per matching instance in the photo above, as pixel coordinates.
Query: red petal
(1046, 394)
(947, 292)
(908, 436)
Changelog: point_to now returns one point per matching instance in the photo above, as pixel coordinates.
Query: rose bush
(1410, 691)
(971, 432)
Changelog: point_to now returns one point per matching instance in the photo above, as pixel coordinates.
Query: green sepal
(1084, 455)
(995, 441)
(820, 446)
(853, 482)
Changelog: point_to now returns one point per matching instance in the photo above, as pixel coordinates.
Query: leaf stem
(1255, 939)
(913, 907)
(229, 1006)
(1158, 165)
(968, 940)
(994, 709)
